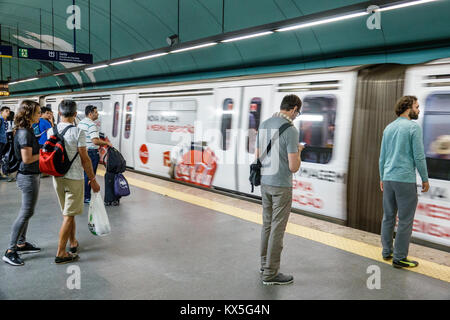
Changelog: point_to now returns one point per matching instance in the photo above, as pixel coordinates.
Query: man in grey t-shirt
(276, 185)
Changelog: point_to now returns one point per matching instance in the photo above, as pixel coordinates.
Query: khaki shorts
(70, 195)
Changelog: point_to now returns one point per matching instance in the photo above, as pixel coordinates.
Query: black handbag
(255, 168)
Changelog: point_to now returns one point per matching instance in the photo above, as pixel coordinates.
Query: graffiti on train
(303, 194)
(433, 220)
(326, 175)
(435, 193)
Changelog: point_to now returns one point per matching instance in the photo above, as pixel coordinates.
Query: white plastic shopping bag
(98, 219)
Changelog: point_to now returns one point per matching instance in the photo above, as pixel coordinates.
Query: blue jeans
(95, 158)
(29, 185)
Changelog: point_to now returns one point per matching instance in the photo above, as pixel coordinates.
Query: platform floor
(164, 247)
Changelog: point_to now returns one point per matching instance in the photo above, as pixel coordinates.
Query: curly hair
(404, 103)
(25, 114)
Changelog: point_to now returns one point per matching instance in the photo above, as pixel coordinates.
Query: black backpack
(255, 168)
(10, 162)
(115, 162)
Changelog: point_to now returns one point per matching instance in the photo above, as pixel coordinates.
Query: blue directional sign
(53, 55)
(6, 52)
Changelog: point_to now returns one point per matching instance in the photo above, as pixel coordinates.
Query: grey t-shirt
(275, 166)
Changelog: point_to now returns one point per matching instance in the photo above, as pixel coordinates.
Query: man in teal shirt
(401, 154)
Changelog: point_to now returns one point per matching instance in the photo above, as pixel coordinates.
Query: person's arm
(294, 149)
(27, 155)
(87, 166)
(419, 156)
(381, 162)
(99, 142)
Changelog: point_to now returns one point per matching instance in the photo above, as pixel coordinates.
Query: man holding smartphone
(276, 185)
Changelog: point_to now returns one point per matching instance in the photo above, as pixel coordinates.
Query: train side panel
(431, 85)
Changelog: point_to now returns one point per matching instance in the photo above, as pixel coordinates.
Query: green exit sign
(23, 53)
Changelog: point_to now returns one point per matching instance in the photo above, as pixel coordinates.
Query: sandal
(68, 259)
(74, 250)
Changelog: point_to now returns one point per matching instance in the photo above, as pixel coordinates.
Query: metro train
(345, 109)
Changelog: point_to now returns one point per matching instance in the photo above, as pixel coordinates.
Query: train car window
(128, 117)
(436, 135)
(115, 127)
(171, 122)
(316, 126)
(227, 115)
(253, 123)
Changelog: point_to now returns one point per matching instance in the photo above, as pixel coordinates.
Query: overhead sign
(6, 52)
(53, 55)
(4, 90)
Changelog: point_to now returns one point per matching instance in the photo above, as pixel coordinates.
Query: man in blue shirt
(402, 152)
(4, 114)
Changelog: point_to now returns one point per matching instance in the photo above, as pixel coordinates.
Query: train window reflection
(171, 122)
(317, 126)
(81, 107)
(253, 123)
(227, 115)
(436, 135)
(115, 127)
(128, 117)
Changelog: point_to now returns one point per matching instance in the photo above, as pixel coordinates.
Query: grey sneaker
(279, 279)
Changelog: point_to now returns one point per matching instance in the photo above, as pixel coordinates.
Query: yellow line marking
(428, 268)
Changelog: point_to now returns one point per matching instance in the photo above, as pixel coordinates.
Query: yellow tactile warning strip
(425, 267)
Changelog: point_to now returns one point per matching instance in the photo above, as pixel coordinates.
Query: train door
(256, 106)
(228, 101)
(431, 84)
(128, 123)
(113, 129)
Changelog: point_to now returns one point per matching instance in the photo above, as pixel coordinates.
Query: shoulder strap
(269, 146)
(65, 130)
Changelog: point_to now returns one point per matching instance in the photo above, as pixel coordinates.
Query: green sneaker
(404, 263)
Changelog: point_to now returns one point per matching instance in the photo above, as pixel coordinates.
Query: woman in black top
(26, 147)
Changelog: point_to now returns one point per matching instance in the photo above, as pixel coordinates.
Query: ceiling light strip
(404, 5)
(324, 21)
(151, 56)
(97, 67)
(248, 36)
(121, 62)
(194, 47)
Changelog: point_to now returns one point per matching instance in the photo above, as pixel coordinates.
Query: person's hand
(300, 147)
(425, 186)
(94, 185)
(381, 186)
(109, 143)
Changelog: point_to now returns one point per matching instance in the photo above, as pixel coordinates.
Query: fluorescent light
(120, 62)
(310, 117)
(151, 56)
(97, 67)
(21, 81)
(315, 23)
(195, 47)
(248, 36)
(403, 5)
(26, 80)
